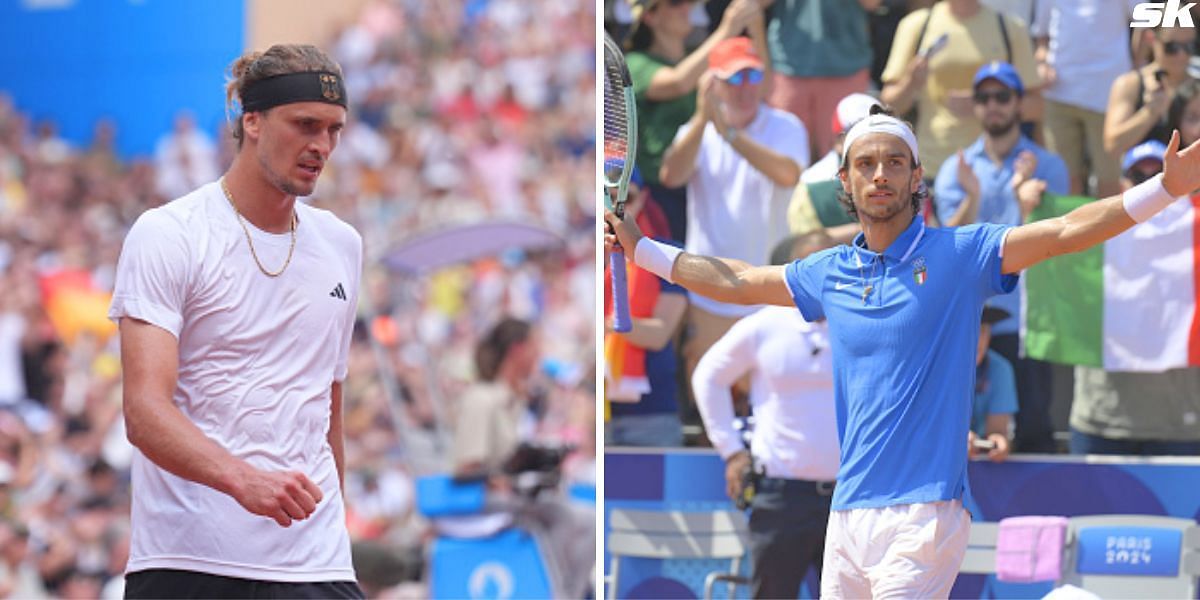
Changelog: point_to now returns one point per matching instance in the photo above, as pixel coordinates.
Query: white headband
(881, 124)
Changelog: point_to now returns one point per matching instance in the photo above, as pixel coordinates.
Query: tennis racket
(620, 144)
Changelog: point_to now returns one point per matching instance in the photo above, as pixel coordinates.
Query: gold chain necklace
(250, 242)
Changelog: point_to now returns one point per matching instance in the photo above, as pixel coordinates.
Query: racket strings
(616, 118)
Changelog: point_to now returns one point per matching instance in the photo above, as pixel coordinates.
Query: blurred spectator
(1139, 99)
(705, 17)
(640, 379)
(850, 110)
(20, 578)
(1142, 413)
(491, 414)
(492, 431)
(814, 203)
(740, 160)
(1021, 10)
(12, 332)
(820, 52)
(995, 394)
(48, 146)
(665, 76)
(882, 23)
(1077, 75)
(185, 159)
(980, 185)
(792, 459)
(937, 82)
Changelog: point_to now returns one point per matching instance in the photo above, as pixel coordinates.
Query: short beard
(903, 201)
(1001, 129)
(281, 183)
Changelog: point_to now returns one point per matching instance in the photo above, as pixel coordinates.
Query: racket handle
(616, 266)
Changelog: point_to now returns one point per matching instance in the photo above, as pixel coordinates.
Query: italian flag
(1126, 305)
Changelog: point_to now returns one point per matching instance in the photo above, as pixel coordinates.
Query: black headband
(308, 86)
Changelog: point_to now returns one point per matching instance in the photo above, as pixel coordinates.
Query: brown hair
(491, 351)
(280, 59)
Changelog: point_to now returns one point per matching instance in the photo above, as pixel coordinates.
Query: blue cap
(635, 176)
(1002, 72)
(1148, 149)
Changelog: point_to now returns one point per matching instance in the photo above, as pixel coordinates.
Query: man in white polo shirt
(793, 453)
(740, 160)
(903, 303)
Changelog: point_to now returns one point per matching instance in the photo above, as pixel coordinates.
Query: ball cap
(1153, 149)
(850, 110)
(1001, 71)
(733, 55)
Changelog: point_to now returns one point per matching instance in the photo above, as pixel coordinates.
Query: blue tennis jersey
(904, 327)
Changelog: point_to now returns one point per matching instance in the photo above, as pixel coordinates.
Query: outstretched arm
(722, 279)
(1098, 221)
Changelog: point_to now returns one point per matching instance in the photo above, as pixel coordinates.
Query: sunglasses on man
(1137, 175)
(1000, 96)
(753, 76)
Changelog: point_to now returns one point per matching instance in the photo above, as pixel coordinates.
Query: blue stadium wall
(137, 62)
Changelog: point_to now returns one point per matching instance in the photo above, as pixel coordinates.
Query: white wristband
(1146, 199)
(656, 257)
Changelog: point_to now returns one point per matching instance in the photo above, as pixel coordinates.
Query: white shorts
(902, 551)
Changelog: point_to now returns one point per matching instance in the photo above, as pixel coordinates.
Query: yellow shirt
(971, 44)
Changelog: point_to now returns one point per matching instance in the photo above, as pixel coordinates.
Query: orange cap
(733, 55)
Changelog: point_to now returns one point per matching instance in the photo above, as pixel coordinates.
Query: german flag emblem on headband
(330, 87)
(307, 86)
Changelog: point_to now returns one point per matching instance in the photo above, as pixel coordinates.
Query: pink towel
(1030, 549)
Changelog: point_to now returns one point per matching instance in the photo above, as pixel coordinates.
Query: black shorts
(174, 583)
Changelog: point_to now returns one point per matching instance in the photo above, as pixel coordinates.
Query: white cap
(880, 123)
(850, 110)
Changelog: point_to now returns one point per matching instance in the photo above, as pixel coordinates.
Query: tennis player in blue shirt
(903, 304)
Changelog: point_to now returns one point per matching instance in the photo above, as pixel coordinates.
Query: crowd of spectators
(462, 111)
(1012, 101)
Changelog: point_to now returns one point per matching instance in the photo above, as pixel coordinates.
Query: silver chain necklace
(867, 285)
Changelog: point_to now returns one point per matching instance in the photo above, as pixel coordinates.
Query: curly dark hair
(843, 196)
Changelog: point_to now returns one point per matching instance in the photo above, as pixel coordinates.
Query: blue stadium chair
(664, 535)
(477, 555)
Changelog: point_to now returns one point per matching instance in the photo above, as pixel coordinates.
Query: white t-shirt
(257, 357)
(1089, 48)
(734, 210)
(791, 392)
(822, 170)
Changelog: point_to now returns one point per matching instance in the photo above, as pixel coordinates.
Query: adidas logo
(338, 292)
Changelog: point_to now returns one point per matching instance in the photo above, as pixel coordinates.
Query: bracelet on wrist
(1146, 199)
(656, 257)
